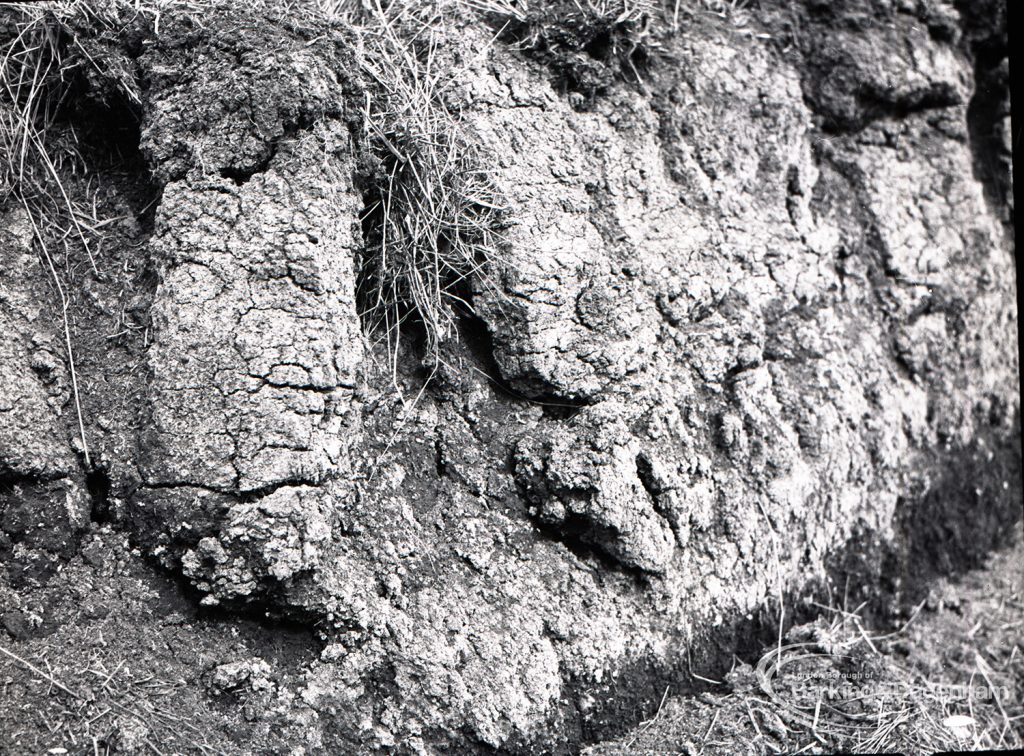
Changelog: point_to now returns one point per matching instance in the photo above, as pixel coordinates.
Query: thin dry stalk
(65, 304)
(35, 670)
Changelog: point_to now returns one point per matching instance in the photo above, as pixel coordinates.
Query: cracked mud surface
(754, 318)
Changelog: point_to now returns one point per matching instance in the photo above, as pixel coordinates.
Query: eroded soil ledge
(752, 328)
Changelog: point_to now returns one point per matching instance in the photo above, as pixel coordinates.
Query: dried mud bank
(755, 315)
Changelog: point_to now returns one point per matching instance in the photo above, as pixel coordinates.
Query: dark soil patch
(140, 656)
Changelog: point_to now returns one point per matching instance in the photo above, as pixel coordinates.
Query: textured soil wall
(754, 315)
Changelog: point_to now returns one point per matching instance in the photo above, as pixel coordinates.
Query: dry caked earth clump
(459, 376)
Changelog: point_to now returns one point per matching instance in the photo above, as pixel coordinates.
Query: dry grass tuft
(44, 52)
(434, 219)
(589, 44)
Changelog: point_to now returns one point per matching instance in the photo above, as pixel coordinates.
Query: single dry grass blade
(35, 670)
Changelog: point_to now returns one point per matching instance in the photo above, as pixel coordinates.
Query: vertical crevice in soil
(97, 482)
(986, 42)
(110, 327)
(987, 109)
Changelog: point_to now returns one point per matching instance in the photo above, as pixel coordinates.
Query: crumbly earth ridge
(754, 316)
